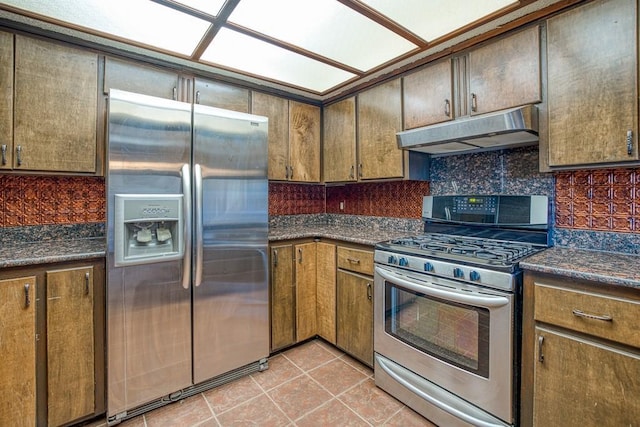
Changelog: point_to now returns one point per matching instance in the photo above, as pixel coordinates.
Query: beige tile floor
(313, 384)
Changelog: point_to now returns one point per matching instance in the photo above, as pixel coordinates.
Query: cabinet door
(592, 84)
(306, 325)
(326, 291)
(6, 100)
(379, 119)
(18, 352)
(70, 345)
(339, 137)
(354, 312)
(304, 142)
(277, 110)
(221, 95)
(137, 78)
(56, 104)
(428, 95)
(283, 304)
(505, 73)
(582, 383)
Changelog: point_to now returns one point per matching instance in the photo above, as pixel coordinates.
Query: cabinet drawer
(355, 260)
(598, 315)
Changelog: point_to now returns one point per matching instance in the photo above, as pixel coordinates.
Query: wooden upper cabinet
(138, 78)
(592, 56)
(6, 100)
(339, 137)
(221, 95)
(18, 351)
(379, 119)
(304, 142)
(70, 345)
(56, 104)
(277, 110)
(505, 73)
(428, 95)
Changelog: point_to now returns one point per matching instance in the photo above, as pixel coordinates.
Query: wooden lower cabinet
(581, 356)
(305, 279)
(52, 336)
(70, 346)
(18, 351)
(326, 291)
(354, 313)
(282, 297)
(580, 382)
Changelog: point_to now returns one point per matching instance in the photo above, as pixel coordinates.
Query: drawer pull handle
(581, 313)
(275, 257)
(353, 260)
(369, 291)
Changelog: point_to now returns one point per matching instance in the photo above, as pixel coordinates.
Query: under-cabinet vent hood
(503, 129)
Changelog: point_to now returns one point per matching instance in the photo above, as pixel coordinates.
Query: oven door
(457, 336)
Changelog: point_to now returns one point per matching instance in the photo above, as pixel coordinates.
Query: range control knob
(458, 273)
(474, 276)
(392, 259)
(403, 262)
(428, 266)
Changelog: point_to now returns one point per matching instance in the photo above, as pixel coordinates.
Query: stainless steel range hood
(493, 131)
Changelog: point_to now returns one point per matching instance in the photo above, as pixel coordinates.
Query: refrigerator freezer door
(148, 309)
(230, 311)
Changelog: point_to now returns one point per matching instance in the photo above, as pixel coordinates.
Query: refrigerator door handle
(197, 169)
(186, 212)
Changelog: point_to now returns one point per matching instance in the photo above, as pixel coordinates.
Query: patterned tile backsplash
(43, 200)
(590, 200)
(399, 199)
(605, 200)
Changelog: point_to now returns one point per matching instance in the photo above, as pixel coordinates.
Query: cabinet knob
(275, 257)
(360, 170)
(629, 142)
(19, 155)
(447, 108)
(474, 102)
(352, 174)
(300, 255)
(369, 291)
(4, 154)
(86, 283)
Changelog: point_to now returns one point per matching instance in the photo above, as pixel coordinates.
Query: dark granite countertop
(353, 234)
(50, 251)
(604, 267)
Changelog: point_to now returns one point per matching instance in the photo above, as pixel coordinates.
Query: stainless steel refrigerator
(187, 225)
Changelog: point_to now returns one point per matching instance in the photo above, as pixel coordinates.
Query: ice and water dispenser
(148, 228)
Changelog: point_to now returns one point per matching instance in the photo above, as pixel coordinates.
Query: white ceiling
(315, 46)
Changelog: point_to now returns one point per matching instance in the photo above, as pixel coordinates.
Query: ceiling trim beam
(221, 19)
(292, 48)
(380, 19)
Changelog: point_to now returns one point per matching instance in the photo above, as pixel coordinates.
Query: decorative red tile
(582, 222)
(581, 178)
(600, 223)
(622, 223)
(602, 177)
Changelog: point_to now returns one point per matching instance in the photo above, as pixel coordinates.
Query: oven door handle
(488, 301)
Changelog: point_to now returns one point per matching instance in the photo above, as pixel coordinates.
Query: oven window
(455, 333)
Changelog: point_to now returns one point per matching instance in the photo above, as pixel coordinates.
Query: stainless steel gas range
(447, 319)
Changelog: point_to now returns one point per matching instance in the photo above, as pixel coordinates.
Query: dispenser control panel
(148, 228)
